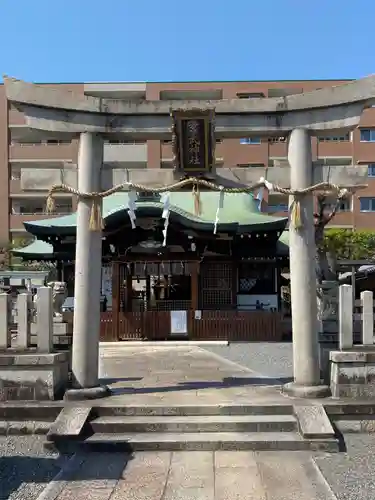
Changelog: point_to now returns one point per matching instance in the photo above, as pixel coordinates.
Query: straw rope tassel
(50, 204)
(96, 219)
(197, 200)
(295, 213)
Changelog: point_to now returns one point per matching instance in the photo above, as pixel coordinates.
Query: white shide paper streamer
(219, 206)
(132, 197)
(165, 199)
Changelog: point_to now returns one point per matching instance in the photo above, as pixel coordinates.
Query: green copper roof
(37, 247)
(238, 210)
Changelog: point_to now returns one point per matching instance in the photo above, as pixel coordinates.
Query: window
(251, 95)
(250, 165)
(124, 141)
(15, 174)
(367, 204)
(56, 142)
(250, 140)
(47, 142)
(277, 139)
(371, 170)
(256, 279)
(277, 203)
(345, 205)
(335, 138)
(367, 134)
(282, 207)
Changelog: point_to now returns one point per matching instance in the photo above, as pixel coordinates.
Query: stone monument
(61, 329)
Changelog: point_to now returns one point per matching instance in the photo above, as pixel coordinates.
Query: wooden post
(195, 287)
(129, 293)
(115, 300)
(194, 300)
(234, 283)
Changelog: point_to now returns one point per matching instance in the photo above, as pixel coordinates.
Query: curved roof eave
(357, 91)
(46, 227)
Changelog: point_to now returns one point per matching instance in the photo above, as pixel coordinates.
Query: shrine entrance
(146, 295)
(187, 300)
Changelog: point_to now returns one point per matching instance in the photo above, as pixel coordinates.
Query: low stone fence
(30, 366)
(352, 366)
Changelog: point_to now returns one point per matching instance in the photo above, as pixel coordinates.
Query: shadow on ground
(27, 472)
(113, 380)
(15, 470)
(225, 383)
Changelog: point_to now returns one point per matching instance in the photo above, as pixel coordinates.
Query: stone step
(191, 410)
(195, 423)
(207, 441)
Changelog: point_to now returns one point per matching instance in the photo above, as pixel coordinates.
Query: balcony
(277, 149)
(39, 179)
(15, 186)
(336, 174)
(128, 154)
(16, 117)
(334, 149)
(47, 152)
(365, 152)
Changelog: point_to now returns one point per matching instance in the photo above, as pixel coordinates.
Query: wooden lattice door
(216, 281)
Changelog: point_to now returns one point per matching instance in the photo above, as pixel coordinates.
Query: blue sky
(176, 40)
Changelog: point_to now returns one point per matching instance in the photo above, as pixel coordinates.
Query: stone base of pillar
(101, 391)
(306, 391)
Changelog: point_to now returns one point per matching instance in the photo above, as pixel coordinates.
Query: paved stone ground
(182, 375)
(270, 359)
(26, 470)
(179, 476)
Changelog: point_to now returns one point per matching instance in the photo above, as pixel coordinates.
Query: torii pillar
(307, 382)
(87, 284)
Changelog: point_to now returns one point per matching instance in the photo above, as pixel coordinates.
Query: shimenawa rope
(96, 219)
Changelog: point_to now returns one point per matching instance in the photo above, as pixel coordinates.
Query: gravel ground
(351, 475)
(267, 358)
(25, 467)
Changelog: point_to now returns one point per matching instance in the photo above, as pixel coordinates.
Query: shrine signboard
(193, 140)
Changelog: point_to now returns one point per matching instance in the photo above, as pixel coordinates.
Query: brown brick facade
(229, 153)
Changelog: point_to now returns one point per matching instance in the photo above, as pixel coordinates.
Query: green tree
(349, 244)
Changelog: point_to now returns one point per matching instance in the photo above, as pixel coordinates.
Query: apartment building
(30, 163)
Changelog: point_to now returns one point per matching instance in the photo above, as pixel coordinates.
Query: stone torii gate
(300, 116)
